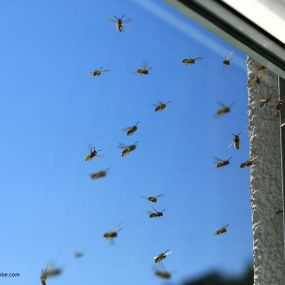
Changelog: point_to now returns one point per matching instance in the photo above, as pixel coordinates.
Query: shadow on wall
(215, 278)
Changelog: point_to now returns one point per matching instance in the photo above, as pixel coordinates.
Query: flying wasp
(156, 214)
(99, 174)
(78, 254)
(98, 72)
(162, 256)
(92, 154)
(236, 141)
(222, 230)
(152, 199)
(131, 130)
(163, 274)
(113, 233)
(160, 106)
(144, 70)
(127, 149)
(43, 277)
(191, 60)
(222, 162)
(223, 110)
(120, 22)
(227, 60)
(264, 102)
(247, 163)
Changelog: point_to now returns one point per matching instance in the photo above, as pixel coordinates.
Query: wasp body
(78, 254)
(127, 149)
(279, 211)
(227, 60)
(153, 199)
(162, 274)
(43, 277)
(160, 106)
(222, 230)
(223, 110)
(247, 163)
(99, 174)
(191, 60)
(112, 234)
(131, 130)
(156, 214)
(92, 154)
(161, 256)
(221, 163)
(264, 102)
(98, 72)
(144, 70)
(120, 22)
(236, 141)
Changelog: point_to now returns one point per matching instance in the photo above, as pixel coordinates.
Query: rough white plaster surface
(265, 181)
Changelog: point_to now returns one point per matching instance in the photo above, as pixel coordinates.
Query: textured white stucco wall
(265, 181)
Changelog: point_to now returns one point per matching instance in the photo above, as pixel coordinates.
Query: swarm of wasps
(127, 149)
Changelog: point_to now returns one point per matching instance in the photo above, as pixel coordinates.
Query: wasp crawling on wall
(223, 110)
(144, 70)
(236, 141)
(227, 60)
(247, 163)
(162, 256)
(279, 211)
(120, 22)
(260, 73)
(131, 130)
(92, 154)
(156, 213)
(152, 199)
(222, 230)
(220, 163)
(191, 60)
(264, 102)
(160, 106)
(127, 149)
(99, 174)
(98, 72)
(113, 233)
(280, 104)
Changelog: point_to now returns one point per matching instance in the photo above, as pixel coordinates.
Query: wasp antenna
(116, 17)
(123, 16)
(163, 210)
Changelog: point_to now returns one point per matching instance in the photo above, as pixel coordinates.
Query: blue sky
(51, 111)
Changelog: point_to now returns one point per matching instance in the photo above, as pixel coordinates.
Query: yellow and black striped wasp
(99, 174)
(127, 149)
(227, 61)
(98, 72)
(156, 213)
(153, 199)
(144, 70)
(236, 141)
(120, 22)
(131, 130)
(92, 154)
(223, 110)
(191, 60)
(220, 163)
(160, 106)
(162, 256)
(222, 230)
(111, 235)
